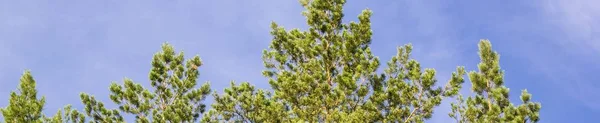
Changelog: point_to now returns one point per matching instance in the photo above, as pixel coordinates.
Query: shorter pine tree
(491, 102)
(24, 106)
(174, 97)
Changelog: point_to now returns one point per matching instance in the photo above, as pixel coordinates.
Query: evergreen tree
(174, 98)
(328, 74)
(491, 103)
(24, 106)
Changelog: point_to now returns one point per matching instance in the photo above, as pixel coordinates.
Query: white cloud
(580, 21)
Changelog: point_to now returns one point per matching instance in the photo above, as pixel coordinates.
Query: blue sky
(549, 47)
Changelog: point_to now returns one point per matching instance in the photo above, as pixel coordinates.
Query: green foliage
(96, 111)
(491, 101)
(245, 103)
(24, 106)
(70, 116)
(408, 94)
(324, 74)
(328, 74)
(174, 98)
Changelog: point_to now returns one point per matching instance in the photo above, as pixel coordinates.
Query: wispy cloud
(579, 21)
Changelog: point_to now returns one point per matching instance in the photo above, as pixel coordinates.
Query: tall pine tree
(328, 74)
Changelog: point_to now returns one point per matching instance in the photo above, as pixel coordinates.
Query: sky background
(549, 47)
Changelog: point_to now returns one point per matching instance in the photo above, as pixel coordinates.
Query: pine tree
(174, 97)
(491, 102)
(328, 74)
(24, 106)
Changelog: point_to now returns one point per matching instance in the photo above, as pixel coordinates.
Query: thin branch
(417, 107)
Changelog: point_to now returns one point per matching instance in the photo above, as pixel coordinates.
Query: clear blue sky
(549, 47)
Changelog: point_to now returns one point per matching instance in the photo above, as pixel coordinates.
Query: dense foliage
(491, 103)
(174, 99)
(24, 107)
(326, 73)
